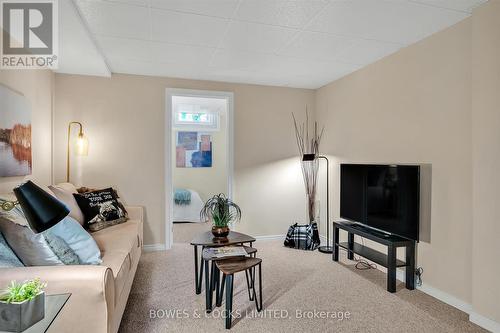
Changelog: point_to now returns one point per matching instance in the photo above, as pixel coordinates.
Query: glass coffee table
(207, 239)
(53, 306)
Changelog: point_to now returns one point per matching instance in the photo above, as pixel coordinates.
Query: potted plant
(22, 305)
(222, 211)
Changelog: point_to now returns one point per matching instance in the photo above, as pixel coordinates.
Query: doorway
(199, 158)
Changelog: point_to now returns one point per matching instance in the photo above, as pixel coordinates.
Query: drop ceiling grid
(315, 45)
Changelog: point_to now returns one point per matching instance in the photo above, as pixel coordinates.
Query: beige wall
(417, 106)
(414, 107)
(36, 86)
(124, 122)
(486, 160)
(206, 181)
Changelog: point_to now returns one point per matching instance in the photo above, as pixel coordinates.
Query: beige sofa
(98, 293)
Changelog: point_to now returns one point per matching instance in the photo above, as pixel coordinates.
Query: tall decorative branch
(309, 145)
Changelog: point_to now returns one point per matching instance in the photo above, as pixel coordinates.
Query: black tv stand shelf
(388, 260)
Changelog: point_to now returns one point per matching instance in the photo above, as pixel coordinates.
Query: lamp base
(325, 249)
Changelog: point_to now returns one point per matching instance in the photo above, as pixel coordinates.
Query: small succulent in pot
(22, 305)
(222, 211)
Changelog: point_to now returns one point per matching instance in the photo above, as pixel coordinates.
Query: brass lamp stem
(80, 133)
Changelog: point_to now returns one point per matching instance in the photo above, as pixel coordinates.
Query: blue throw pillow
(79, 240)
(61, 249)
(7, 256)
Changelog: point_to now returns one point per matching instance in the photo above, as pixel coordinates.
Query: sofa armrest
(92, 294)
(135, 212)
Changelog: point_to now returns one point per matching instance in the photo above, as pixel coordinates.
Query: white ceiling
(297, 43)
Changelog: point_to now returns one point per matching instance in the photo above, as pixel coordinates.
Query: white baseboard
(154, 247)
(449, 299)
(270, 237)
(484, 322)
(461, 305)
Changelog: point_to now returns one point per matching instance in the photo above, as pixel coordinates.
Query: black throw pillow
(101, 208)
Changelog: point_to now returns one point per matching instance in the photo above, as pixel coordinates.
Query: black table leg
(229, 300)
(391, 269)
(350, 243)
(216, 277)
(410, 268)
(335, 253)
(221, 294)
(198, 271)
(208, 288)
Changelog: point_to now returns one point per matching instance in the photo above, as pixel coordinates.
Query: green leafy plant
(221, 210)
(20, 292)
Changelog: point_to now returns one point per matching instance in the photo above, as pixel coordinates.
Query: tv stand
(388, 260)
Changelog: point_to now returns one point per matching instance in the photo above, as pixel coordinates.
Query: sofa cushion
(119, 245)
(61, 249)
(32, 249)
(79, 240)
(64, 192)
(7, 256)
(101, 208)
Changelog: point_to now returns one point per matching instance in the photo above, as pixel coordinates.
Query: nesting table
(207, 239)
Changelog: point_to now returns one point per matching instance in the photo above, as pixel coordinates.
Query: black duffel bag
(304, 237)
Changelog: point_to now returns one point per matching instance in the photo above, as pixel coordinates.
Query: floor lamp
(310, 157)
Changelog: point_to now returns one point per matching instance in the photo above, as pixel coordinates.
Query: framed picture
(15, 134)
(193, 150)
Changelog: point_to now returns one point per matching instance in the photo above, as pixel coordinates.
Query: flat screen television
(383, 197)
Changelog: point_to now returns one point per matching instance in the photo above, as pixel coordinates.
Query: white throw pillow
(64, 192)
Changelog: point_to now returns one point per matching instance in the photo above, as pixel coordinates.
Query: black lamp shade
(42, 210)
(308, 157)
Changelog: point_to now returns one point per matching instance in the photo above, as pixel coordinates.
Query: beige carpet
(293, 280)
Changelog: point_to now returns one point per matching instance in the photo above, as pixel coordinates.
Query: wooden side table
(212, 277)
(207, 239)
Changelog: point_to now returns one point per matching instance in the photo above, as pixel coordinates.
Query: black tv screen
(384, 197)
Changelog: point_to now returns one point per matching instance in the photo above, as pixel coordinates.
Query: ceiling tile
(181, 54)
(261, 11)
(293, 13)
(462, 5)
(365, 52)
(218, 8)
(392, 21)
(317, 46)
(296, 13)
(239, 60)
(116, 19)
(175, 27)
(125, 66)
(256, 37)
(143, 3)
(133, 49)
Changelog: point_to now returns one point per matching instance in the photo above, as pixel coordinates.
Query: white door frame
(170, 92)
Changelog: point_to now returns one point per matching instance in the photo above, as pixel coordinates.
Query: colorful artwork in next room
(193, 150)
(15, 134)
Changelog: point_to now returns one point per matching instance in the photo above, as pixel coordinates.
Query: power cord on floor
(363, 264)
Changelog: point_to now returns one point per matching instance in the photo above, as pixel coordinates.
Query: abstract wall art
(193, 150)
(15, 134)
